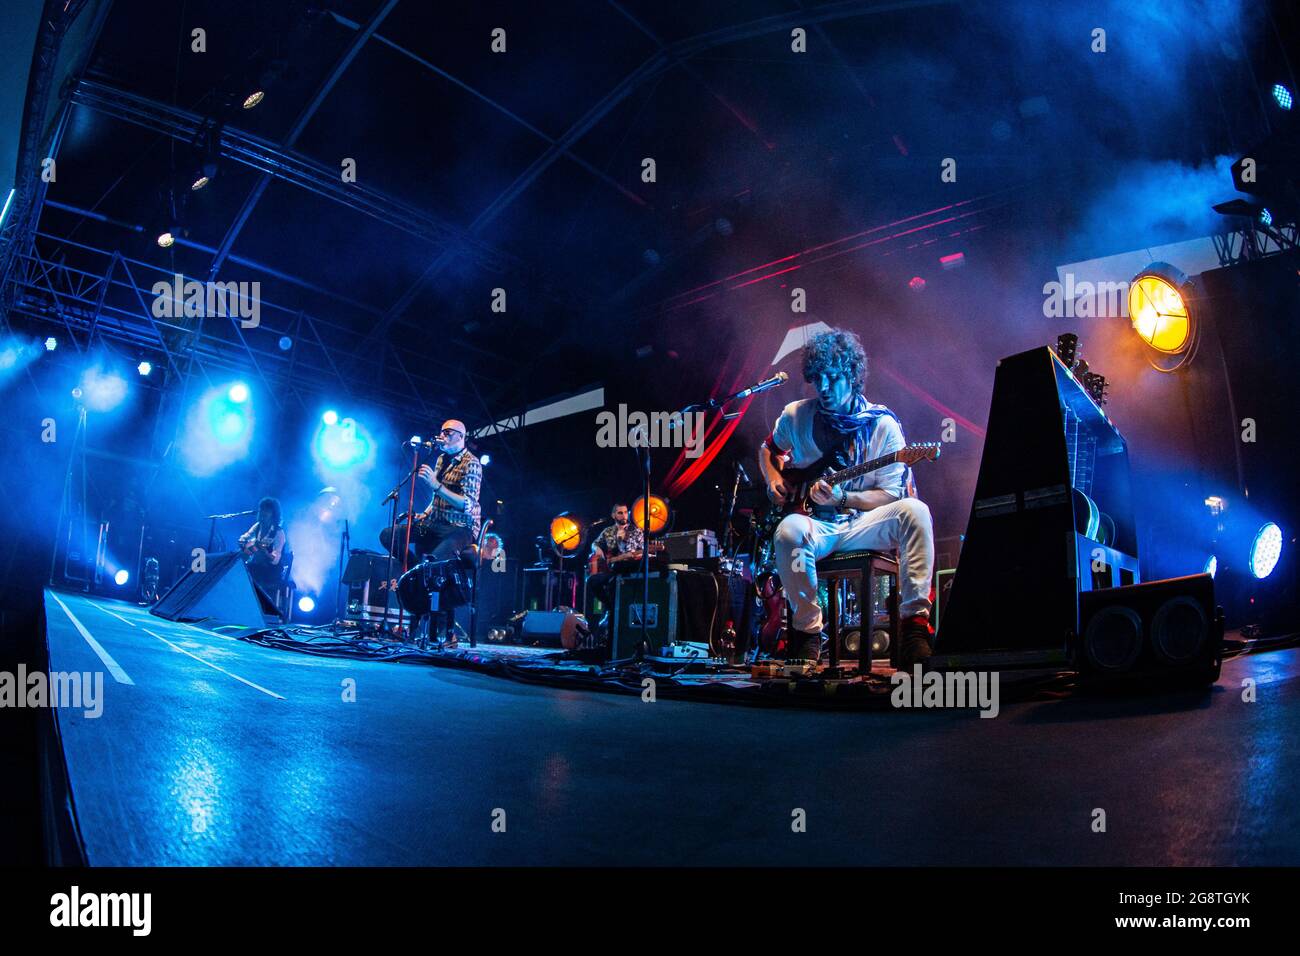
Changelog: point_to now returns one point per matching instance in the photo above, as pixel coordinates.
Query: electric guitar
(801, 480)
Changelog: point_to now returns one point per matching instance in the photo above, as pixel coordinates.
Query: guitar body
(832, 470)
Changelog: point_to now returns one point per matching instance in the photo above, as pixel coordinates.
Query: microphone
(740, 470)
(780, 378)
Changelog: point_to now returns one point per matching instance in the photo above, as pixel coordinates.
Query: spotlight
(103, 390)
(286, 343)
(343, 445)
(144, 368)
(207, 158)
(1157, 307)
(1265, 550)
(566, 534)
(331, 417)
(415, 440)
(1211, 566)
(238, 393)
(1282, 96)
(916, 283)
(1265, 217)
(660, 514)
(122, 577)
(306, 604)
(51, 344)
(253, 98)
(166, 239)
(485, 460)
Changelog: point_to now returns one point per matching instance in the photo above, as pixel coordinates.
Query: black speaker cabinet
(223, 592)
(1161, 630)
(1052, 517)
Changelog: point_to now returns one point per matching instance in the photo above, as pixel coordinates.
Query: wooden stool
(865, 566)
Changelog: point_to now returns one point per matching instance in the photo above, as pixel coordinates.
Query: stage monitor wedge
(223, 592)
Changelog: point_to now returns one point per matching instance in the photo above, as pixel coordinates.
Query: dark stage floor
(214, 751)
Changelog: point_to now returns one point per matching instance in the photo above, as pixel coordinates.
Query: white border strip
(114, 668)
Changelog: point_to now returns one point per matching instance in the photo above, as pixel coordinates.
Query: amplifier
(660, 614)
(690, 545)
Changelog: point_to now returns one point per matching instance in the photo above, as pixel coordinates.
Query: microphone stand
(644, 646)
(392, 533)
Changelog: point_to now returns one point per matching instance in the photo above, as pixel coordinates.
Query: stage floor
(214, 751)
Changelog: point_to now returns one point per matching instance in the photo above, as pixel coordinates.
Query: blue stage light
(102, 391)
(1266, 217)
(1265, 550)
(238, 393)
(1282, 96)
(51, 344)
(343, 445)
(144, 368)
(286, 343)
(415, 439)
(1211, 566)
(331, 417)
(121, 577)
(485, 460)
(306, 604)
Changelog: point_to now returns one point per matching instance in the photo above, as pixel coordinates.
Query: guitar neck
(856, 471)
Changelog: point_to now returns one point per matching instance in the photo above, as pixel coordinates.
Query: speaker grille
(1179, 629)
(1113, 639)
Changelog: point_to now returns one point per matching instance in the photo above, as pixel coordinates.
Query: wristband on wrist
(844, 497)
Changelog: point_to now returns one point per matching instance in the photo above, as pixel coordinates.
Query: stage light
(286, 343)
(916, 283)
(566, 534)
(199, 182)
(253, 98)
(342, 445)
(144, 368)
(415, 440)
(122, 577)
(1265, 217)
(1216, 505)
(331, 417)
(102, 391)
(1211, 566)
(1265, 550)
(1282, 96)
(1157, 307)
(51, 344)
(659, 514)
(238, 393)
(485, 460)
(306, 604)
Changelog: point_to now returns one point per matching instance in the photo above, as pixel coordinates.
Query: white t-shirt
(793, 433)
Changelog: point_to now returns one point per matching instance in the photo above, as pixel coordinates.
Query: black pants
(436, 538)
(266, 574)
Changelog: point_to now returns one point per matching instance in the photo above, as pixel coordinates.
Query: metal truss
(1253, 240)
(107, 298)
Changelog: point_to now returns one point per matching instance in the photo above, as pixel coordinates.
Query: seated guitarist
(873, 512)
(263, 545)
(618, 544)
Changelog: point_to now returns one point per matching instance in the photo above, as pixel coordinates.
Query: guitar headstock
(920, 451)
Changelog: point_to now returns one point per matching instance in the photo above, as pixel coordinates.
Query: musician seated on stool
(450, 523)
(877, 511)
(263, 546)
(618, 544)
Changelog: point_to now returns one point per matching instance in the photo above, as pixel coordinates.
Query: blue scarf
(860, 423)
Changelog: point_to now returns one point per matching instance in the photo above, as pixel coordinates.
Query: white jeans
(802, 541)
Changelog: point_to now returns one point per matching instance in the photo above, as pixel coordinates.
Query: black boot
(803, 646)
(915, 646)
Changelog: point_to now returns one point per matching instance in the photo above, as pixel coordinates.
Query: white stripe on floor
(176, 647)
(113, 666)
(107, 611)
